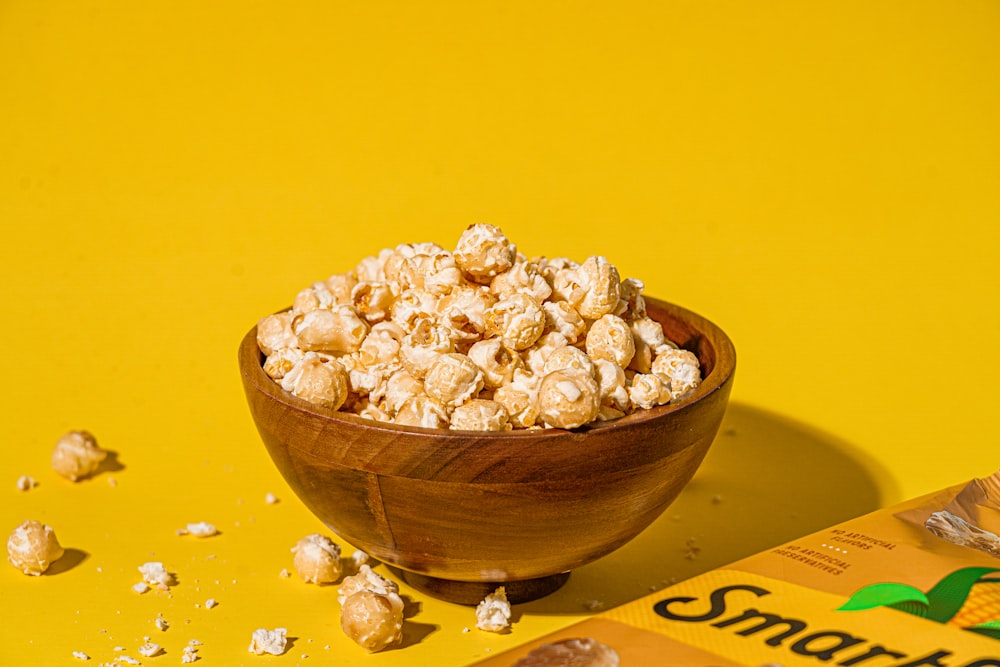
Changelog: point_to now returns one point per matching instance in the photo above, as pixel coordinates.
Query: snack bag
(917, 584)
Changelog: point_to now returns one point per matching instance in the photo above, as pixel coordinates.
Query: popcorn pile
(479, 338)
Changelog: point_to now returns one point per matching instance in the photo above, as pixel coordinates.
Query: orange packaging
(917, 584)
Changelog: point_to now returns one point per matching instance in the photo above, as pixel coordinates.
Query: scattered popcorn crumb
(466, 629)
(200, 529)
(493, 613)
(593, 605)
(154, 574)
(149, 649)
(140, 587)
(284, 573)
(194, 642)
(26, 483)
(112, 481)
(268, 641)
(359, 558)
(187, 657)
(716, 499)
(161, 624)
(271, 499)
(80, 655)
(210, 602)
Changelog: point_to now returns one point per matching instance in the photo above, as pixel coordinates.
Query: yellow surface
(821, 179)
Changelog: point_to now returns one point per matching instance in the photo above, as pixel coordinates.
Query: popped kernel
(563, 317)
(493, 613)
(483, 251)
(611, 338)
(523, 276)
(337, 331)
(602, 287)
(480, 415)
(400, 386)
(372, 620)
(317, 559)
(421, 410)
(520, 399)
(340, 286)
(150, 649)
(647, 337)
(200, 529)
(439, 270)
(680, 369)
(268, 641)
(423, 345)
(373, 300)
(33, 547)
(371, 609)
(315, 297)
(611, 384)
(518, 320)
(647, 391)
(77, 455)
(317, 380)
(535, 356)
(274, 332)
(496, 361)
(463, 312)
(569, 358)
(412, 306)
(453, 379)
(279, 362)
(568, 399)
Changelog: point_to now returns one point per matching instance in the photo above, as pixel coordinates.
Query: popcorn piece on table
(268, 641)
(199, 529)
(77, 455)
(25, 483)
(317, 559)
(493, 613)
(33, 547)
(371, 610)
(155, 575)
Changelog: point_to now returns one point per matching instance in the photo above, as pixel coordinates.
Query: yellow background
(821, 179)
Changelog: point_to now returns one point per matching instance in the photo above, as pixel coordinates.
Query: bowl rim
(723, 368)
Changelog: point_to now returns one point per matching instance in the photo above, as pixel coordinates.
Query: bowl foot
(473, 592)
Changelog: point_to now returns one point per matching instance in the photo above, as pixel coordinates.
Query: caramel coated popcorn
(478, 338)
(77, 455)
(317, 559)
(371, 611)
(33, 547)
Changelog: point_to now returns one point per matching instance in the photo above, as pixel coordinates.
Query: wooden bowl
(458, 512)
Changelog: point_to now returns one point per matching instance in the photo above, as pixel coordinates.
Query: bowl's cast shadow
(765, 481)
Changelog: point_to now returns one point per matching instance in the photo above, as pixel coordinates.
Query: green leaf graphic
(902, 596)
(949, 594)
(991, 629)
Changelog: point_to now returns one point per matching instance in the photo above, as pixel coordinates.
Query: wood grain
(494, 507)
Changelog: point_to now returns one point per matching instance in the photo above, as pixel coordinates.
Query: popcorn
(155, 575)
(317, 559)
(371, 610)
(418, 335)
(268, 641)
(33, 547)
(493, 613)
(200, 529)
(25, 483)
(150, 649)
(77, 455)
